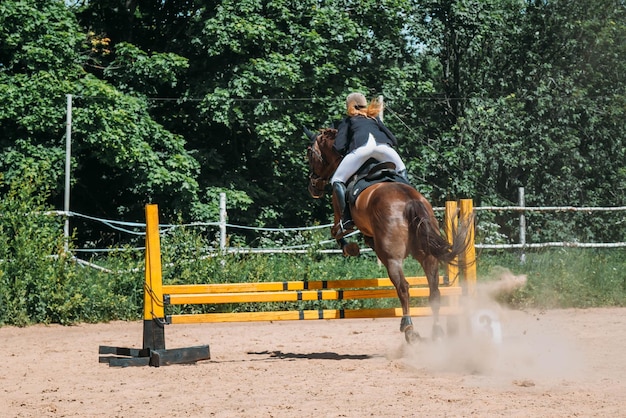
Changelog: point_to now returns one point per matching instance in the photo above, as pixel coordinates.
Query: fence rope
(131, 228)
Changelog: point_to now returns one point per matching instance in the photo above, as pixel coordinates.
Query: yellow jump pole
(468, 260)
(153, 309)
(451, 219)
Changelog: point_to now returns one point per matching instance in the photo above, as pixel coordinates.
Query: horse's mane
(327, 134)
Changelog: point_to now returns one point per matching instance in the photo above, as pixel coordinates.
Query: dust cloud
(498, 342)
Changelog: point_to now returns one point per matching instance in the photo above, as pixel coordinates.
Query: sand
(555, 363)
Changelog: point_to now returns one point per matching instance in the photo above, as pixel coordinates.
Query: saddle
(370, 173)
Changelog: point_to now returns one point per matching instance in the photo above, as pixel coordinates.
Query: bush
(40, 282)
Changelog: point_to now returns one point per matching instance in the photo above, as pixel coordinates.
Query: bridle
(317, 183)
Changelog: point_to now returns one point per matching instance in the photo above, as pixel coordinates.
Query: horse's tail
(423, 224)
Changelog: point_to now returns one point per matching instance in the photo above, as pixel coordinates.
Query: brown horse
(396, 221)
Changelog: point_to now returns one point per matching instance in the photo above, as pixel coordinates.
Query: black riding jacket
(353, 132)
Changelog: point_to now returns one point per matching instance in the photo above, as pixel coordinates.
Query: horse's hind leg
(431, 268)
(396, 274)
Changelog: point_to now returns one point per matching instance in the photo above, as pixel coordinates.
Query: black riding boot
(345, 223)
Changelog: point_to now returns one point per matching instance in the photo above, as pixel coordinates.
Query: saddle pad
(360, 183)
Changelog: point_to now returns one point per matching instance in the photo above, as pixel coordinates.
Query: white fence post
(223, 217)
(68, 168)
(522, 223)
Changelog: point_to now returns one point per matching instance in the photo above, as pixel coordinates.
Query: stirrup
(347, 225)
(342, 228)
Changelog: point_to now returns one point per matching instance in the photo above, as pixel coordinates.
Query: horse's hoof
(351, 249)
(438, 333)
(411, 336)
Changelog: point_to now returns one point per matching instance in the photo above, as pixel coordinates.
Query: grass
(557, 278)
(564, 278)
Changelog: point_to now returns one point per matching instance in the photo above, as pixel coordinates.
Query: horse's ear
(309, 134)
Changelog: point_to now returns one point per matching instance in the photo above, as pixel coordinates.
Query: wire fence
(327, 246)
(522, 228)
(138, 229)
(223, 229)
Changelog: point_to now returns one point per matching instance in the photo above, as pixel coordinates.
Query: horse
(396, 221)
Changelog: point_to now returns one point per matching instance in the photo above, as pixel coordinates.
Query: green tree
(122, 158)
(262, 70)
(543, 108)
(182, 100)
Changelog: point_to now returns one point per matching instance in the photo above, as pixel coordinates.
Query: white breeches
(355, 159)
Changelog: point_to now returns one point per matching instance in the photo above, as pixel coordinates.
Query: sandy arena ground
(557, 363)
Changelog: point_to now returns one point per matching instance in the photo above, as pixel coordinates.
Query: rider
(360, 136)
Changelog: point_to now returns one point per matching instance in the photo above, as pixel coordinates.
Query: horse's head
(323, 160)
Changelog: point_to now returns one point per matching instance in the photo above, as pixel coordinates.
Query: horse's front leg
(349, 248)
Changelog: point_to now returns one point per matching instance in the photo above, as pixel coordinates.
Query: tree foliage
(122, 157)
(180, 100)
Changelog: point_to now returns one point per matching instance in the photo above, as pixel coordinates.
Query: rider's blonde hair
(356, 104)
